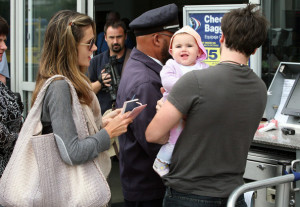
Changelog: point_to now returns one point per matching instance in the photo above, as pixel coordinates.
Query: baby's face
(185, 49)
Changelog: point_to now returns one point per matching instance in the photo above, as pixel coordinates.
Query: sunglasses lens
(92, 44)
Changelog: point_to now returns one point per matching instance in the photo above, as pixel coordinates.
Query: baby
(188, 51)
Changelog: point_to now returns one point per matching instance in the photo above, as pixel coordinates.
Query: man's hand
(104, 79)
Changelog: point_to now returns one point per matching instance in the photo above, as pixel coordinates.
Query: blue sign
(208, 25)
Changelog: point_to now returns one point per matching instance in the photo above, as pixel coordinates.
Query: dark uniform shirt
(141, 80)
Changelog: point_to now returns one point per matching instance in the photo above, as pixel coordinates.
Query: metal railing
(263, 184)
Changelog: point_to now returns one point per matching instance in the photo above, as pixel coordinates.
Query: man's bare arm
(164, 120)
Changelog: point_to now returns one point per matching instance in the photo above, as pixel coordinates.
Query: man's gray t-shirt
(224, 105)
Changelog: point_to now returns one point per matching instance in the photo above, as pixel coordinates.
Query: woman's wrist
(109, 132)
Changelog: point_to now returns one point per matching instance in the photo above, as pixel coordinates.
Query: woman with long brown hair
(68, 46)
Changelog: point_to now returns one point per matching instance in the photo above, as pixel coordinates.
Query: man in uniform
(153, 29)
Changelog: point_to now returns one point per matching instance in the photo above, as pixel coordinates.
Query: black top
(10, 124)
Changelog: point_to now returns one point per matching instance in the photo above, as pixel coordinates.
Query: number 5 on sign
(213, 56)
(213, 53)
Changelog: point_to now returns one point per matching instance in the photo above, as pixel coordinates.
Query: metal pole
(257, 185)
(282, 198)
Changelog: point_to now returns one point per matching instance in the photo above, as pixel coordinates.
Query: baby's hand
(159, 104)
(162, 90)
(161, 101)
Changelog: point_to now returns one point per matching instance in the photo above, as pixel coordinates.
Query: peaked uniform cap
(164, 18)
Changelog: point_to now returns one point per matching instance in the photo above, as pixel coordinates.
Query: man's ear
(221, 38)
(254, 51)
(156, 40)
(105, 37)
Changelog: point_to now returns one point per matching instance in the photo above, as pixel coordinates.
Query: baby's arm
(168, 76)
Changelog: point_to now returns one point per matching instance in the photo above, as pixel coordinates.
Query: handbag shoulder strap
(77, 112)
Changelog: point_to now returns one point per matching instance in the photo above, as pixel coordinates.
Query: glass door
(31, 20)
(283, 41)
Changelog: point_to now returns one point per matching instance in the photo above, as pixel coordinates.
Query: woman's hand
(118, 125)
(108, 117)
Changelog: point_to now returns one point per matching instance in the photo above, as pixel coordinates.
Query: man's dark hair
(115, 24)
(244, 29)
(3, 27)
(112, 16)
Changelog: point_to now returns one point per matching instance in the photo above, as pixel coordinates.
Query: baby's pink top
(171, 72)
